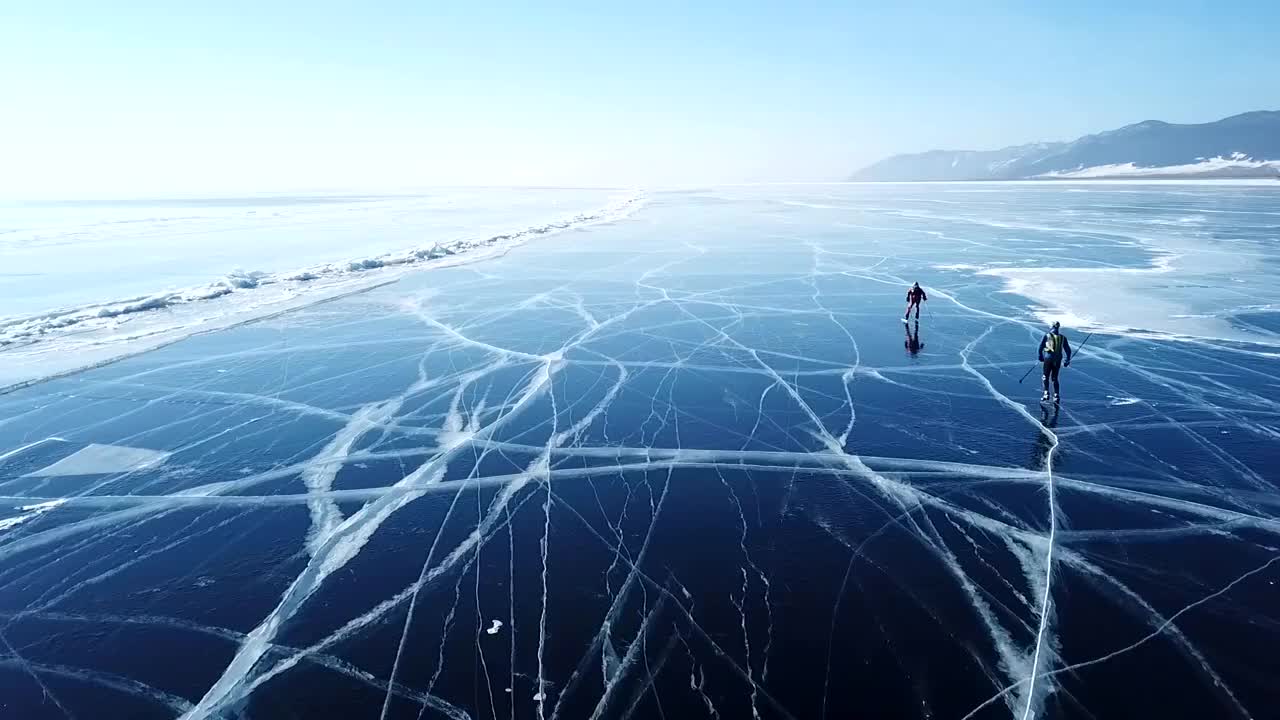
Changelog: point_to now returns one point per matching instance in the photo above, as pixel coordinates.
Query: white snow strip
(32, 511)
(1236, 162)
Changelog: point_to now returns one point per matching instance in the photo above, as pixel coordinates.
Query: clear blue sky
(123, 96)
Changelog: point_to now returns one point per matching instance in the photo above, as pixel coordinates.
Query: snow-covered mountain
(1246, 145)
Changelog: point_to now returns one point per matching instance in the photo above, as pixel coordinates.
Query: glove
(1066, 364)
(1041, 357)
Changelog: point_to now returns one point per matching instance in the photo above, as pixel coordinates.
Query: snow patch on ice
(1148, 302)
(493, 629)
(103, 460)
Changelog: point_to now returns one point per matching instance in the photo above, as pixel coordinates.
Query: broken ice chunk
(493, 630)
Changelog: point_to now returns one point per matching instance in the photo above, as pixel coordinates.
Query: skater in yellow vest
(1053, 346)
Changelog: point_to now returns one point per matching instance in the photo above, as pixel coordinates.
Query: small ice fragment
(493, 630)
(1115, 401)
(506, 689)
(540, 697)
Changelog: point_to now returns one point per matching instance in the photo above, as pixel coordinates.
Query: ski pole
(1028, 372)
(1086, 342)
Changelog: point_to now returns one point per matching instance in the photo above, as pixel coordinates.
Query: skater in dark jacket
(1053, 346)
(915, 296)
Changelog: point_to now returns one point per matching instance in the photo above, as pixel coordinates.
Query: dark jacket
(1047, 353)
(916, 294)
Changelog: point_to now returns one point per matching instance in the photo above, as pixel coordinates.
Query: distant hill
(1246, 145)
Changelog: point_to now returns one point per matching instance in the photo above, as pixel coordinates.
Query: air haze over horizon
(237, 97)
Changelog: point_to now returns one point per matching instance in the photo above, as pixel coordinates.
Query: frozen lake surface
(686, 461)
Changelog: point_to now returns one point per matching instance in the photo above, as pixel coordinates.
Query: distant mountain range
(1246, 145)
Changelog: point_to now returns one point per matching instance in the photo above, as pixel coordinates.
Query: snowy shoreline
(57, 342)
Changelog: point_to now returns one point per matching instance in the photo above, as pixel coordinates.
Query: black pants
(1051, 368)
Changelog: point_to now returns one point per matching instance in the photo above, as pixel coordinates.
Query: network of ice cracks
(471, 390)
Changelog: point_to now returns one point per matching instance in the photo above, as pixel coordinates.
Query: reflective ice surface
(689, 464)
